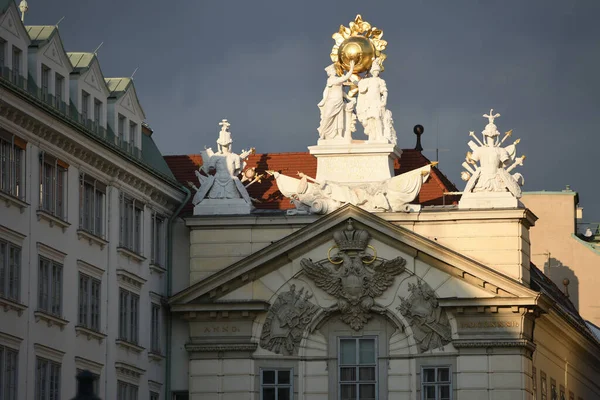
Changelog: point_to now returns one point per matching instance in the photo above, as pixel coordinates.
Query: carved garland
(30, 124)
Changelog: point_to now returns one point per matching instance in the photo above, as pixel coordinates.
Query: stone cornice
(80, 148)
(254, 306)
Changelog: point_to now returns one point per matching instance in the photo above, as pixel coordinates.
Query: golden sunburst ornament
(360, 43)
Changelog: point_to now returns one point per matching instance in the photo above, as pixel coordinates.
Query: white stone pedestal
(357, 161)
(489, 200)
(222, 207)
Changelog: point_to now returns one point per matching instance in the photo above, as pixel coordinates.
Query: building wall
(485, 363)
(60, 238)
(560, 254)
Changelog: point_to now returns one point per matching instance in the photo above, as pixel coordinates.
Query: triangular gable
(130, 101)
(456, 265)
(55, 51)
(11, 21)
(94, 77)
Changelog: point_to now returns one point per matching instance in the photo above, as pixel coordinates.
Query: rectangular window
(53, 185)
(16, 65)
(10, 271)
(59, 89)
(154, 396)
(534, 382)
(121, 130)
(357, 368)
(95, 385)
(2, 55)
(543, 385)
(12, 165)
(436, 383)
(131, 224)
(50, 287)
(155, 329)
(159, 239)
(126, 391)
(91, 205)
(276, 384)
(133, 134)
(553, 391)
(47, 380)
(8, 373)
(97, 111)
(89, 302)
(129, 304)
(85, 106)
(563, 396)
(45, 82)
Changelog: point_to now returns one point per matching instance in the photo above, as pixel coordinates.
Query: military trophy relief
(427, 320)
(488, 168)
(224, 179)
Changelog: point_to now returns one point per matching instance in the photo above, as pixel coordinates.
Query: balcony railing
(69, 111)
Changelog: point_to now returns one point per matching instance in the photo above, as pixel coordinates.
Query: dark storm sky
(260, 64)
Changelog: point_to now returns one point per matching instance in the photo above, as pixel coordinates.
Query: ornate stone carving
(354, 277)
(490, 183)
(390, 195)
(287, 318)
(427, 319)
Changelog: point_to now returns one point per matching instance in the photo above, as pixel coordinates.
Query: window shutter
(14, 280)
(121, 218)
(3, 266)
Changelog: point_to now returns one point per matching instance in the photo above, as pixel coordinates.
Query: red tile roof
(183, 167)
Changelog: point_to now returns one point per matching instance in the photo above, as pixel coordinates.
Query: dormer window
(121, 129)
(97, 111)
(59, 89)
(85, 104)
(16, 65)
(133, 133)
(45, 82)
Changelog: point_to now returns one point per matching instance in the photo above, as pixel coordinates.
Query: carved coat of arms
(285, 323)
(353, 276)
(429, 323)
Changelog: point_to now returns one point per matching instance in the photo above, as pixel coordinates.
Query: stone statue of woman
(333, 115)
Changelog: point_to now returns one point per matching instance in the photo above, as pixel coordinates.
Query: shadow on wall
(558, 272)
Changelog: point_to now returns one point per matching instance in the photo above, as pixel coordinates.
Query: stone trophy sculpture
(490, 183)
(221, 191)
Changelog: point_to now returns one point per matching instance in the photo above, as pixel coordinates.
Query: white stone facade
(66, 251)
(246, 314)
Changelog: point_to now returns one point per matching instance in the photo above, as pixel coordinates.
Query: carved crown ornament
(85, 156)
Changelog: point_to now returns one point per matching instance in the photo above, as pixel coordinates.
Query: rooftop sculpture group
(490, 183)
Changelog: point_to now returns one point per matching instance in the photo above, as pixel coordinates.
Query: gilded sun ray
(359, 42)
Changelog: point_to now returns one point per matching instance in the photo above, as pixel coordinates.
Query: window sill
(93, 239)
(90, 333)
(155, 268)
(50, 319)
(154, 356)
(11, 200)
(53, 219)
(129, 346)
(8, 305)
(130, 254)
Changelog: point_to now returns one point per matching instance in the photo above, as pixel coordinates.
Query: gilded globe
(358, 49)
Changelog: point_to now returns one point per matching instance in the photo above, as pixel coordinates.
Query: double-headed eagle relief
(354, 276)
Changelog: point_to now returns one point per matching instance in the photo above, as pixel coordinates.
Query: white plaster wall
(37, 57)
(31, 331)
(131, 113)
(78, 83)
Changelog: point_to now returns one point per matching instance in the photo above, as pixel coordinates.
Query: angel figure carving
(353, 276)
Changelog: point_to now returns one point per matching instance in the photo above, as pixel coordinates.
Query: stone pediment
(451, 275)
(94, 77)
